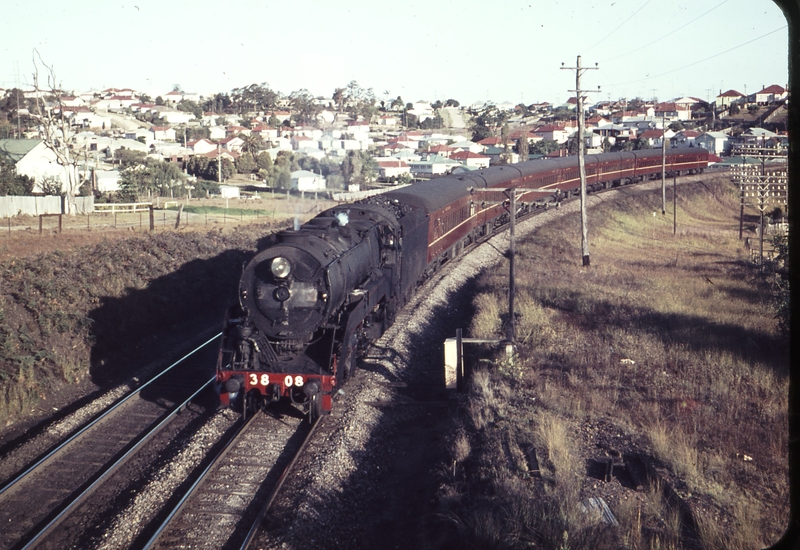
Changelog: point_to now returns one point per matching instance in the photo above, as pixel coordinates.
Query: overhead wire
(639, 48)
(619, 26)
(648, 77)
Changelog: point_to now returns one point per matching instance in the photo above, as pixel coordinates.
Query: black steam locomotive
(315, 296)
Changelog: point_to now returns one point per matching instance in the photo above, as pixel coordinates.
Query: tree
(284, 180)
(253, 143)
(304, 106)
(522, 148)
(397, 104)
(264, 161)
(129, 157)
(255, 97)
(12, 183)
(245, 164)
(190, 107)
(487, 122)
(451, 103)
(544, 147)
(56, 131)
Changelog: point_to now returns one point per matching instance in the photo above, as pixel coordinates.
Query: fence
(11, 206)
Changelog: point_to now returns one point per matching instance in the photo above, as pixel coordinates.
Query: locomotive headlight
(280, 267)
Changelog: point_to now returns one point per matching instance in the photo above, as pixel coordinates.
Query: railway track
(39, 499)
(225, 505)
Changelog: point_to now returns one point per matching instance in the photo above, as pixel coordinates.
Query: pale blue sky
(505, 50)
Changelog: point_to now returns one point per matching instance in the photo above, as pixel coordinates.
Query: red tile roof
(464, 155)
(774, 89)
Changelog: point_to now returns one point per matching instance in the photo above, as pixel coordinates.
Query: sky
(469, 50)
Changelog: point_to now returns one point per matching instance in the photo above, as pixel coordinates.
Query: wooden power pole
(581, 146)
(663, 164)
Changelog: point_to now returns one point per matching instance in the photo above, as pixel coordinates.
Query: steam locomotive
(315, 296)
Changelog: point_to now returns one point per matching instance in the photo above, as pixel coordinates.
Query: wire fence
(151, 220)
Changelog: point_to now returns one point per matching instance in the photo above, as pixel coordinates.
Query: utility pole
(219, 164)
(765, 188)
(663, 163)
(581, 146)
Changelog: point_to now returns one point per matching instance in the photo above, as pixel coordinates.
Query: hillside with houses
(124, 145)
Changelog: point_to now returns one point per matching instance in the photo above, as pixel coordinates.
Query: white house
(392, 168)
(201, 146)
(163, 133)
(229, 191)
(725, 99)
(468, 158)
(232, 143)
(176, 117)
(303, 180)
(216, 132)
(32, 158)
(433, 166)
(770, 94)
(716, 142)
(106, 181)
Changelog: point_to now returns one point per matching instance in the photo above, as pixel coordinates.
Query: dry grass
(670, 340)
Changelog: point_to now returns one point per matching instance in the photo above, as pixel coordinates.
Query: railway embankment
(74, 322)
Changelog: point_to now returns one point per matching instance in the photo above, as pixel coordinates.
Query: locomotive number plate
(288, 381)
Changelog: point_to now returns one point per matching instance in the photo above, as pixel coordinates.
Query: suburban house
(672, 111)
(163, 133)
(176, 117)
(468, 158)
(653, 137)
(467, 146)
(232, 143)
(715, 142)
(32, 158)
(216, 132)
(684, 138)
(728, 98)
(770, 94)
(392, 168)
(303, 180)
(559, 134)
(201, 146)
(433, 166)
(173, 97)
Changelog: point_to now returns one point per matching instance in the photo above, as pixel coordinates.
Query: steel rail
(97, 420)
(234, 438)
(112, 468)
(278, 485)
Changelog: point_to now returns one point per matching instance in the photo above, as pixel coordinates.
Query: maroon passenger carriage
(315, 296)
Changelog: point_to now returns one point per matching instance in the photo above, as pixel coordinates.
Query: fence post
(178, 217)
(40, 224)
(59, 223)
(152, 219)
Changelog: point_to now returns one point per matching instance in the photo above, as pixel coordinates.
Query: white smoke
(342, 218)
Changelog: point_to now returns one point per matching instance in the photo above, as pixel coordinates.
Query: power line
(618, 27)
(639, 48)
(706, 59)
